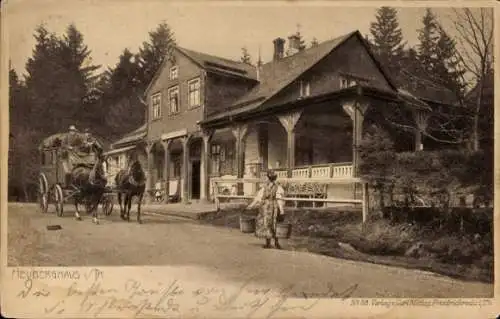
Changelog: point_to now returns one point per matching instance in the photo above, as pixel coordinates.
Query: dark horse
(89, 182)
(131, 182)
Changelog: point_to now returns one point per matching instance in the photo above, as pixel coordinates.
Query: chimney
(293, 44)
(279, 49)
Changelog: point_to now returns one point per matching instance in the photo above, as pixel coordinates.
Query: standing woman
(270, 203)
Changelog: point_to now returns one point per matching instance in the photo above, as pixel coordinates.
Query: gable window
(173, 97)
(305, 88)
(348, 81)
(194, 92)
(156, 105)
(174, 73)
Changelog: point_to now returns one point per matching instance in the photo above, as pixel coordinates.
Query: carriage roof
(56, 141)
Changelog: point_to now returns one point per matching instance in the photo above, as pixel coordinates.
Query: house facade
(189, 86)
(301, 114)
(120, 151)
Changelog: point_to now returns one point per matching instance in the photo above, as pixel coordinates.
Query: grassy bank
(339, 234)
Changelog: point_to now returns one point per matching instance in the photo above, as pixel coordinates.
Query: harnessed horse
(131, 182)
(90, 183)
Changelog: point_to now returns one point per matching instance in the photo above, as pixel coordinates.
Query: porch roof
(256, 109)
(119, 150)
(131, 137)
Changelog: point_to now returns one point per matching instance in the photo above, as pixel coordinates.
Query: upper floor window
(305, 88)
(156, 105)
(173, 97)
(194, 93)
(174, 72)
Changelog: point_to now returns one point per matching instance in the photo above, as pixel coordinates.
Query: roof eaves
(382, 69)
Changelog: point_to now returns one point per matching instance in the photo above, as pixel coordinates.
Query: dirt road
(172, 241)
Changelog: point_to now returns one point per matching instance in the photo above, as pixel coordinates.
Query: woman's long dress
(268, 211)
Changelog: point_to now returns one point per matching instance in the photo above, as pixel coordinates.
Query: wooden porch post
(149, 183)
(166, 168)
(240, 131)
(289, 121)
(205, 163)
(421, 117)
(356, 111)
(185, 168)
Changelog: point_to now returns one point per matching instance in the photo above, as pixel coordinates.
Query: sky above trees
(110, 26)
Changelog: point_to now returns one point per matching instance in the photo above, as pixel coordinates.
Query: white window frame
(156, 106)
(305, 88)
(171, 91)
(174, 72)
(196, 100)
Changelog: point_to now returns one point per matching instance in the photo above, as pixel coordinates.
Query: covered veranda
(313, 142)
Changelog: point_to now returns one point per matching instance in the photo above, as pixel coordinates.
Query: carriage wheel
(59, 199)
(107, 206)
(43, 196)
(43, 200)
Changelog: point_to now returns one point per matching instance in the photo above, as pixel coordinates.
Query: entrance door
(195, 179)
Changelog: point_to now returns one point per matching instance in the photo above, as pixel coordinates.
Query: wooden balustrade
(320, 171)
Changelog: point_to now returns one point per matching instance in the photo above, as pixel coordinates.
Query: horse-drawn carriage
(61, 156)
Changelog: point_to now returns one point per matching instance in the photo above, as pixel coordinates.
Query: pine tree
(124, 78)
(18, 104)
(43, 76)
(152, 53)
(448, 66)
(245, 56)
(122, 86)
(388, 41)
(78, 76)
(428, 37)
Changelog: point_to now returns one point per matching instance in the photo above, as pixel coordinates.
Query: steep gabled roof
(222, 65)
(425, 90)
(211, 63)
(277, 75)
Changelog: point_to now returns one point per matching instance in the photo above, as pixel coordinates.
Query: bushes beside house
(440, 179)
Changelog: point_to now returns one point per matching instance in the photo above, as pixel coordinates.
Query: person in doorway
(271, 210)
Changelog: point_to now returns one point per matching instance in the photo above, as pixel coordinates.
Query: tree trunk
(475, 128)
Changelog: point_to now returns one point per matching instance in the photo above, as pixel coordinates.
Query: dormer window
(174, 73)
(305, 88)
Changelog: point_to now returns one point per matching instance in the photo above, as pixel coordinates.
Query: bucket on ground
(283, 230)
(247, 224)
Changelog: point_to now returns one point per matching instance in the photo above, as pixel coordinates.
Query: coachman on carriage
(72, 167)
